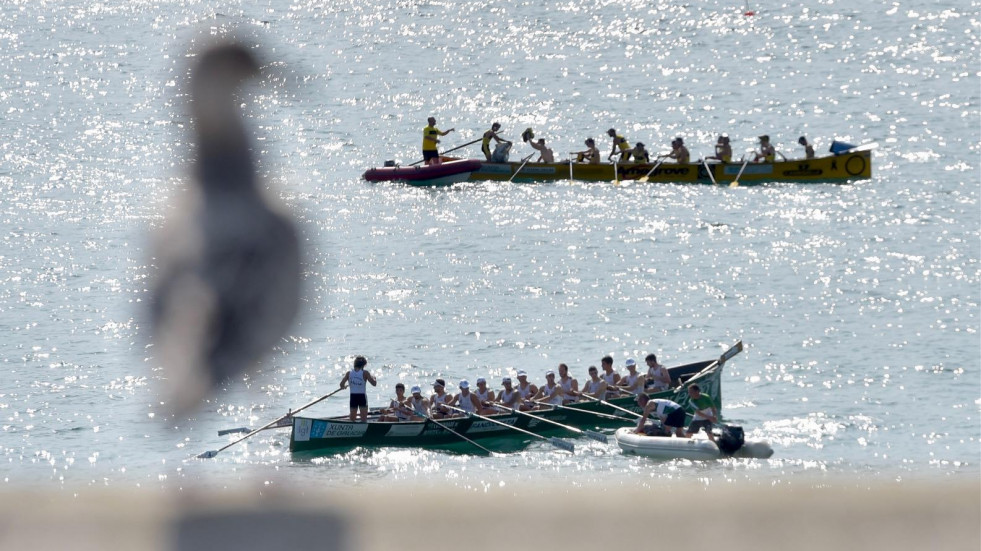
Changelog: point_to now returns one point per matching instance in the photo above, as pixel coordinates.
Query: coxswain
(357, 379)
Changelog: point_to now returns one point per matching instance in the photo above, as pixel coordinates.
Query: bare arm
(344, 379)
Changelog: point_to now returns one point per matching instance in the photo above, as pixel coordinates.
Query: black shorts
(359, 400)
(675, 419)
(430, 154)
(696, 426)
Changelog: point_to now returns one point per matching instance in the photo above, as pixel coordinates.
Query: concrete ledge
(895, 517)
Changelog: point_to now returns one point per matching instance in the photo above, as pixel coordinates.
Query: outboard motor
(731, 439)
(500, 154)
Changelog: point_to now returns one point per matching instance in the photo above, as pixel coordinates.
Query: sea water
(858, 303)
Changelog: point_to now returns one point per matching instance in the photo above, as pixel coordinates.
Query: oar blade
(562, 444)
(237, 430)
(598, 436)
(208, 454)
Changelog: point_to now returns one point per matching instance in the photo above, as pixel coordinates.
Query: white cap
(521, 373)
(630, 362)
(464, 384)
(505, 380)
(481, 380)
(416, 390)
(549, 372)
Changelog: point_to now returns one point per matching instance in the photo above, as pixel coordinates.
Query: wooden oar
(211, 453)
(523, 163)
(451, 150)
(596, 413)
(609, 405)
(558, 443)
(448, 429)
(709, 170)
(587, 433)
(735, 183)
(646, 177)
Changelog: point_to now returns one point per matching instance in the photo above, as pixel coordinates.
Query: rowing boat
(845, 167)
(325, 436)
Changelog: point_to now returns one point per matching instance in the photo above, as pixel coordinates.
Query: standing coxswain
(357, 379)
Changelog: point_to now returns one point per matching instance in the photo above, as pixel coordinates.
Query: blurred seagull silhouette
(228, 260)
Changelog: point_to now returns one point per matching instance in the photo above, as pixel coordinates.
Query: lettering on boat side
(487, 426)
(803, 169)
(494, 169)
(538, 170)
(301, 429)
(326, 429)
(405, 429)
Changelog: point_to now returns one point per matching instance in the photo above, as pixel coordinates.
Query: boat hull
(324, 436)
(831, 169)
(695, 449)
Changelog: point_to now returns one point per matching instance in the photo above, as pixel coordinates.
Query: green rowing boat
(504, 432)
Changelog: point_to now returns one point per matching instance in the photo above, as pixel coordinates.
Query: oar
(211, 453)
(452, 150)
(735, 183)
(864, 147)
(616, 173)
(646, 177)
(448, 429)
(609, 405)
(558, 443)
(587, 433)
(523, 163)
(596, 413)
(709, 170)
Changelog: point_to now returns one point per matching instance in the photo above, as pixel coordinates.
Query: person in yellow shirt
(430, 137)
(767, 153)
(621, 143)
(491, 135)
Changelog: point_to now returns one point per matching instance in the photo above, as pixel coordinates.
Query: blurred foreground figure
(228, 264)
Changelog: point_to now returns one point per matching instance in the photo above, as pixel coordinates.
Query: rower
(632, 382)
(609, 376)
(640, 154)
(526, 391)
(551, 392)
(466, 400)
(545, 154)
(679, 152)
(621, 143)
(485, 396)
(594, 387)
(658, 376)
(419, 405)
(398, 410)
(767, 153)
(591, 155)
(439, 398)
(723, 151)
(570, 386)
(509, 396)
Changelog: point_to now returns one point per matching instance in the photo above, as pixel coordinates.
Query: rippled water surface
(858, 303)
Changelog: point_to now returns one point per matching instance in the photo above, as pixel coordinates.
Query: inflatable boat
(443, 174)
(697, 448)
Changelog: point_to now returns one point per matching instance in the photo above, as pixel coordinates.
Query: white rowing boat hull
(672, 447)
